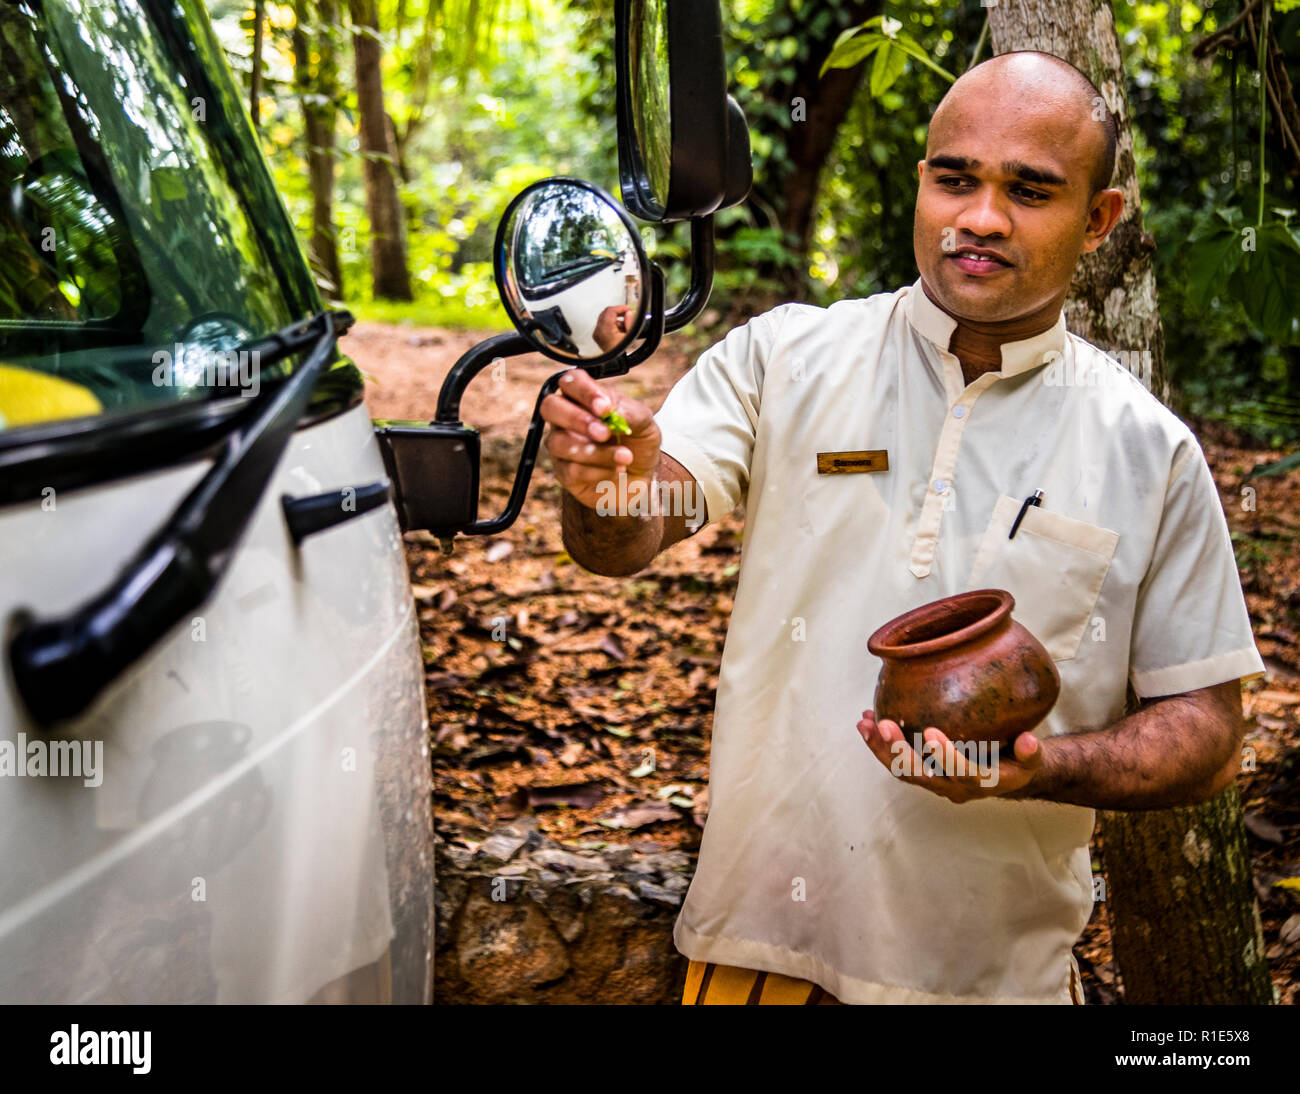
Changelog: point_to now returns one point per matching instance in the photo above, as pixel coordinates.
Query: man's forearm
(1166, 754)
(608, 544)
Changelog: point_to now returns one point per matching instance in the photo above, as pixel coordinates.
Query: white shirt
(816, 862)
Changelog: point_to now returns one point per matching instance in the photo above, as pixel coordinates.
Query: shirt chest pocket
(1054, 568)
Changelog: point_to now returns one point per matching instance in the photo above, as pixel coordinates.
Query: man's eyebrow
(1040, 175)
(951, 163)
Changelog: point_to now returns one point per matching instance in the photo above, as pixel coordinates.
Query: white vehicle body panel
(264, 821)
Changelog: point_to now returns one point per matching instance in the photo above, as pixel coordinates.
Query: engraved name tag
(849, 463)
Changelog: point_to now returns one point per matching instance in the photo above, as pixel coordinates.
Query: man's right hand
(584, 450)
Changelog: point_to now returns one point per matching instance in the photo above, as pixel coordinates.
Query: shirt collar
(935, 324)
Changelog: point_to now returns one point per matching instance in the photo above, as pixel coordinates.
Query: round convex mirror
(571, 271)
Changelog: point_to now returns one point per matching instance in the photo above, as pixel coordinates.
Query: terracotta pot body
(964, 666)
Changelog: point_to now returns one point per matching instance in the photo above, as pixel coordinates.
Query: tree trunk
(1113, 301)
(808, 146)
(817, 107)
(391, 280)
(1193, 859)
(318, 92)
(1184, 919)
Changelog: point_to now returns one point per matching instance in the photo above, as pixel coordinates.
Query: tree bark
(390, 278)
(1113, 301)
(318, 92)
(1184, 919)
(808, 146)
(824, 102)
(1192, 859)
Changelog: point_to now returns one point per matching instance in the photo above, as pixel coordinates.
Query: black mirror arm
(533, 441)
(471, 363)
(702, 266)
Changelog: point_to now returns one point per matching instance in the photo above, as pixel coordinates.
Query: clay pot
(964, 666)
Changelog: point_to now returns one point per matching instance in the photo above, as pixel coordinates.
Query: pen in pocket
(1036, 498)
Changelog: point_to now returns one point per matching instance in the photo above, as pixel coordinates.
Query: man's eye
(1028, 194)
(953, 182)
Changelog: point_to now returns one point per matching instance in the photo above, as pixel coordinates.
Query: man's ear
(1103, 214)
(920, 169)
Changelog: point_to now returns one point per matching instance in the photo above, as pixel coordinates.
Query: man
(827, 868)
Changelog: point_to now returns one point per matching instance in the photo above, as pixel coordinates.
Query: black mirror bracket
(703, 261)
(654, 330)
(471, 363)
(434, 467)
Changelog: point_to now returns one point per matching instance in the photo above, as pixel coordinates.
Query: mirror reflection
(650, 86)
(571, 273)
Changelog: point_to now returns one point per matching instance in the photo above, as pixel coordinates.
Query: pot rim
(886, 640)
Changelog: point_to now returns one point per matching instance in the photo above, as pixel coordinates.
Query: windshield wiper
(61, 665)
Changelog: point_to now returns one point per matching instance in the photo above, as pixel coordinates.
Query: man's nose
(983, 214)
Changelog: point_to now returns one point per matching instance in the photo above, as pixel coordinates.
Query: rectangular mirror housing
(434, 468)
(679, 138)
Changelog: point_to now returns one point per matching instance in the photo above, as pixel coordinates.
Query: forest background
(452, 106)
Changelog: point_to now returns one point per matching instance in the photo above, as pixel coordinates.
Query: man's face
(1007, 174)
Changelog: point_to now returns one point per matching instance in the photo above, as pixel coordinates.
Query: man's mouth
(978, 260)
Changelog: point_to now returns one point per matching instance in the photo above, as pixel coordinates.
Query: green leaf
(1207, 224)
(913, 48)
(616, 422)
(845, 35)
(1277, 467)
(886, 68)
(1211, 260)
(1267, 282)
(853, 52)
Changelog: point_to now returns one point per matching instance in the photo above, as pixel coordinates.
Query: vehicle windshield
(135, 251)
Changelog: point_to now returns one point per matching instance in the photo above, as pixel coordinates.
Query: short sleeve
(709, 420)
(1191, 628)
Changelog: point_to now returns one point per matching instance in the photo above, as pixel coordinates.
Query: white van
(214, 766)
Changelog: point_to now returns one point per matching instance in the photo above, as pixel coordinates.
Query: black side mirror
(569, 263)
(683, 143)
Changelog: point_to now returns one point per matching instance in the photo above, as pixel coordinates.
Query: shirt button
(940, 485)
(959, 412)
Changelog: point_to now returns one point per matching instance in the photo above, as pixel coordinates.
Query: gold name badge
(850, 463)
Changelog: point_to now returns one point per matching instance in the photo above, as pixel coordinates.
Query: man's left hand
(956, 777)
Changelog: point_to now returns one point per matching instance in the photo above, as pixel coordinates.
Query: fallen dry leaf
(583, 795)
(640, 815)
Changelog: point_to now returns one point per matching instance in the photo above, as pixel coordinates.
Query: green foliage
(616, 422)
(482, 106)
(1258, 267)
(1231, 345)
(891, 47)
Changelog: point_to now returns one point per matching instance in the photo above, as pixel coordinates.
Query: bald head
(1037, 81)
